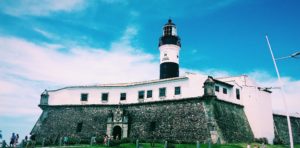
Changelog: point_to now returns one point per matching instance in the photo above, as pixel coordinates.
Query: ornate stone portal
(117, 124)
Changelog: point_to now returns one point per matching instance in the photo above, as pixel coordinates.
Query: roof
(124, 84)
(223, 83)
(282, 113)
(169, 23)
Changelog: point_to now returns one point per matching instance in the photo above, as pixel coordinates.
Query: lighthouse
(169, 46)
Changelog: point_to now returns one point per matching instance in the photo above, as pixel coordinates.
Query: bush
(114, 142)
(125, 140)
(99, 140)
(172, 141)
(73, 140)
(38, 143)
(142, 141)
(277, 140)
(85, 141)
(261, 140)
(48, 142)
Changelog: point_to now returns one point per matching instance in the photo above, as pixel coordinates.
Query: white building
(239, 90)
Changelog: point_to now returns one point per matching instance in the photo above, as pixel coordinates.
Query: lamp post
(294, 55)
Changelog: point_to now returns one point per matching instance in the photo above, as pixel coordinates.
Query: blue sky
(48, 44)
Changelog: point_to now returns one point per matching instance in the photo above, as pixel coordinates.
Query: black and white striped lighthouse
(169, 46)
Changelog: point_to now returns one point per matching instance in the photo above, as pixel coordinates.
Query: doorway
(117, 132)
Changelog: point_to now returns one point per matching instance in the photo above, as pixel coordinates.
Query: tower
(169, 46)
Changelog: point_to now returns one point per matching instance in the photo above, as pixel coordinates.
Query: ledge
(200, 98)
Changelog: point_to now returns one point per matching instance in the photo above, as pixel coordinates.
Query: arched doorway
(117, 132)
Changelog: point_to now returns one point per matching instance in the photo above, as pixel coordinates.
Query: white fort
(239, 90)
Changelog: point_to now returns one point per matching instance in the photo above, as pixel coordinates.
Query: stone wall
(185, 120)
(230, 121)
(177, 120)
(281, 129)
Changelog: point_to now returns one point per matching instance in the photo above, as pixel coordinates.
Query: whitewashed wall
(191, 86)
(231, 94)
(257, 107)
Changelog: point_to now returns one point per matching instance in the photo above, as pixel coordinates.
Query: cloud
(27, 68)
(18, 97)
(40, 7)
(45, 33)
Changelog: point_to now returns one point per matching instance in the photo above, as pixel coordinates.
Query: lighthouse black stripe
(175, 40)
(169, 70)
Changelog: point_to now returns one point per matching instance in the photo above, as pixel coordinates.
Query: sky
(49, 44)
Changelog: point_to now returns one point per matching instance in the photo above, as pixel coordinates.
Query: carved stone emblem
(118, 115)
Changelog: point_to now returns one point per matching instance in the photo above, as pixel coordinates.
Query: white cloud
(41, 7)
(33, 67)
(19, 98)
(27, 68)
(45, 33)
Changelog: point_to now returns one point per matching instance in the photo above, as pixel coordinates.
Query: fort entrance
(117, 124)
(117, 130)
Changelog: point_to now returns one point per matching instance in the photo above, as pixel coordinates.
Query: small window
(123, 96)
(152, 126)
(224, 90)
(177, 90)
(149, 93)
(217, 88)
(237, 91)
(162, 92)
(141, 94)
(104, 97)
(84, 97)
(79, 127)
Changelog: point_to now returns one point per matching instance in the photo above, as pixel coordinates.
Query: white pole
(283, 96)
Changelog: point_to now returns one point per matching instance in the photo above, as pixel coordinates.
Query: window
(237, 92)
(141, 94)
(123, 96)
(84, 97)
(104, 97)
(224, 90)
(149, 93)
(162, 92)
(152, 126)
(79, 127)
(217, 88)
(177, 90)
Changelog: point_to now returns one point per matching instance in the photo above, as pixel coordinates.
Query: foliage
(85, 141)
(277, 140)
(73, 140)
(261, 140)
(114, 142)
(125, 140)
(99, 140)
